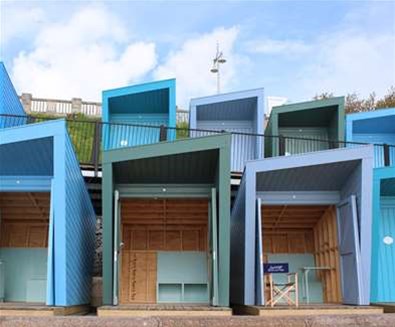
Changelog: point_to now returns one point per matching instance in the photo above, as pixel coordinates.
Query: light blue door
(259, 293)
(385, 271)
(349, 251)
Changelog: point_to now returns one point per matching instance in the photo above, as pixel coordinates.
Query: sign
(275, 268)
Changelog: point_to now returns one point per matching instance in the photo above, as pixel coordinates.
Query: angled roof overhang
(376, 121)
(28, 149)
(192, 161)
(319, 171)
(242, 105)
(149, 98)
(317, 113)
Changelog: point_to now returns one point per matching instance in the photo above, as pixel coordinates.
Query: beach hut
(9, 101)
(311, 212)
(306, 122)
(166, 228)
(47, 222)
(150, 104)
(383, 246)
(237, 112)
(378, 127)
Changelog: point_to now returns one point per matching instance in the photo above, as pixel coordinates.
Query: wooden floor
(39, 310)
(146, 310)
(306, 310)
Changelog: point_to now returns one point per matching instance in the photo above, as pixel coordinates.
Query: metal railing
(90, 137)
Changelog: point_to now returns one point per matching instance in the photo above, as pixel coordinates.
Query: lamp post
(217, 61)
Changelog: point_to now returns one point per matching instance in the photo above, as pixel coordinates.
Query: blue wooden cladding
(150, 104)
(377, 127)
(241, 112)
(40, 158)
(9, 101)
(383, 236)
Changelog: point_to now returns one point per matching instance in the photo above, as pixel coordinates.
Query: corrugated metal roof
(324, 177)
(27, 158)
(240, 109)
(190, 167)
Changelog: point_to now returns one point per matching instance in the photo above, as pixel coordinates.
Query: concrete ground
(378, 320)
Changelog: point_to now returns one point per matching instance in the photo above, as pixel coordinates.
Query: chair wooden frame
(278, 291)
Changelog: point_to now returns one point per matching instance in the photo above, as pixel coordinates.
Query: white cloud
(278, 47)
(348, 62)
(81, 57)
(16, 23)
(191, 64)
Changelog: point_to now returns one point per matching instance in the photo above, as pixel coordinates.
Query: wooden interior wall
(24, 219)
(151, 225)
(289, 228)
(327, 255)
(288, 241)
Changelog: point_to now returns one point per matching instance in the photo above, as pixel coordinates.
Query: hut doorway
(164, 250)
(306, 238)
(24, 221)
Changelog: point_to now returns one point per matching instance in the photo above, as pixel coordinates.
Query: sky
(294, 49)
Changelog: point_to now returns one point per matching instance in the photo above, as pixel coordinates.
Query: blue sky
(294, 49)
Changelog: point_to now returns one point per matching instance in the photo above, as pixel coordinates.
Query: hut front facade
(166, 223)
(376, 127)
(144, 105)
(305, 126)
(312, 212)
(237, 112)
(47, 239)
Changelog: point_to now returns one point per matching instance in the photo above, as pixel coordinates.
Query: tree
(389, 99)
(354, 104)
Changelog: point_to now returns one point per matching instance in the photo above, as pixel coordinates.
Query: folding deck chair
(283, 291)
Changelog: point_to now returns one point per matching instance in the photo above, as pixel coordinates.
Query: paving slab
(377, 320)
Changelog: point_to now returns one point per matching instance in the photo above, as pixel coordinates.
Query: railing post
(76, 106)
(26, 99)
(96, 147)
(162, 133)
(386, 151)
(281, 145)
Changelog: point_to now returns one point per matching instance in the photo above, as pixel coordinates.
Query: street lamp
(217, 61)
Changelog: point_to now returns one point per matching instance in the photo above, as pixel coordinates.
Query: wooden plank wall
(150, 225)
(327, 254)
(24, 219)
(288, 242)
(165, 224)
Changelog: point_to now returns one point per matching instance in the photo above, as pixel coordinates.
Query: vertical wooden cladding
(151, 225)
(327, 254)
(24, 219)
(289, 228)
(165, 224)
(138, 277)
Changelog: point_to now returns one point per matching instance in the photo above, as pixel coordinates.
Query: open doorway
(305, 237)
(24, 221)
(164, 256)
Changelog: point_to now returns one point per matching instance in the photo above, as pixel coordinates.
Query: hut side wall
(9, 101)
(80, 232)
